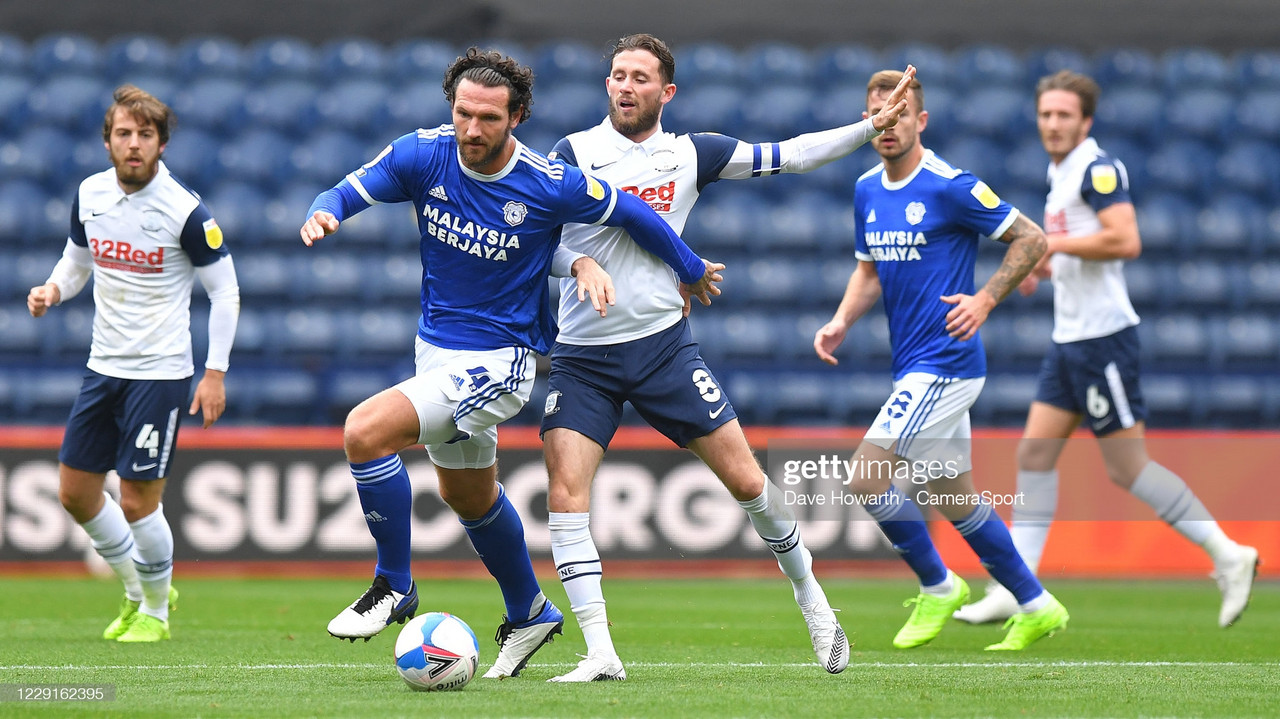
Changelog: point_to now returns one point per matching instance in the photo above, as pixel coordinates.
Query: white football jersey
(668, 171)
(1090, 298)
(145, 248)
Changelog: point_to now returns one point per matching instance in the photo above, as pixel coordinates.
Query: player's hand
(704, 288)
(895, 104)
(969, 313)
(594, 281)
(211, 396)
(41, 298)
(827, 339)
(318, 225)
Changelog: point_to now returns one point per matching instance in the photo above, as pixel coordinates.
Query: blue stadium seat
(995, 113)
(420, 61)
(252, 334)
(707, 63)
(1126, 66)
(1172, 400)
(288, 106)
(71, 333)
(568, 62)
(391, 225)
(1130, 154)
(834, 276)
(793, 227)
(325, 157)
(743, 335)
(274, 396)
(935, 65)
(1246, 341)
(279, 58)
(1133, 111)
(13, 103)
(13, 54)
(76, 103)
(329, 276)
(1164, 222)
(258, 156)
(706, 108)
(286, 210)
(1048, 60)
(346, 387)
(943, 105)
(358, 106)
(1182, 166)
(32, 268)
(1028, 167)
(568, 108)
(751, 393)
(777, 63)
(1145, 281)
(860, 394)
(1251, 168)
(137, 54)
(306, 330)
(1005, 399)
(1232, 225)
(775, 284)
(841, 104)
(1175, 339)
(986, 66)
(238, 207)
(1200, 285)
(848, 65)
(192, 156)
(267, 277)
(215, 104)
(1262, 283)
(23, 334)
(793, 332)
(39, 154)
(1200, 113)
(1235, 401)
(778, 112)
(393, 278)
(723, 221)
(379, 334)
(1258, 69)
(421, 104)
(62, 54)
(1027, 340)
(1196, 67)
(208, 56)
(805, 398)
(1258, 115)
(352, 58)
(979, 155)
(45, 396)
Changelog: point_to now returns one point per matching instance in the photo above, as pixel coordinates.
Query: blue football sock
(498, 537)
(986, 534)
(386, 498)
(901, 521)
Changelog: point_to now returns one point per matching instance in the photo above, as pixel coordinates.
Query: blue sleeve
(653, 234)
(563, 151)
(202, 238)
(714, 152)
(387, 178)
(1106, 183)
(77, 227)
(976, 206)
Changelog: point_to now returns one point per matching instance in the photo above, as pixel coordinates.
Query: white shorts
(461, 396)
(928, 417)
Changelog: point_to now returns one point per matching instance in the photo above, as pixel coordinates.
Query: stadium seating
(266, 125)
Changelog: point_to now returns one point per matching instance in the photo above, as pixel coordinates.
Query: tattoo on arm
(1027, 244)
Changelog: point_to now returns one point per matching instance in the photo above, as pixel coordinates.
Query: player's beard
(490, 154)
(645, 118)
(135, 178)
(902, 146)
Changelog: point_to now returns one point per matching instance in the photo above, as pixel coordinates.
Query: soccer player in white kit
(144, 237)
(642, 351)
(1092, 365)
(918, 222)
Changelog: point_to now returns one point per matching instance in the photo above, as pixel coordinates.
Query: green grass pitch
(705, 648)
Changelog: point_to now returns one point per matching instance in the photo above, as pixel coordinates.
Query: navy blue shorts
(661, 375)
(128, 425)
(1097, 378)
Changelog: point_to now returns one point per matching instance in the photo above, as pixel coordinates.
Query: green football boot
(931, 614)
(1026, 627)
(128, 608)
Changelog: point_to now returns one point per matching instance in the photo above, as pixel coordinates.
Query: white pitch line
(663, 665)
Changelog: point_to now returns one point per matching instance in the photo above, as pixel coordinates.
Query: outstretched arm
(653, 234)
(1027, 245)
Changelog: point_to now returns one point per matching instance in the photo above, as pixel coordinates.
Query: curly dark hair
(491, 68)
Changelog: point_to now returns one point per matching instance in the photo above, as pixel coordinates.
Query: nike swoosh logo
(95, 214)
(144, 467)
(594, 166)
(716, 412)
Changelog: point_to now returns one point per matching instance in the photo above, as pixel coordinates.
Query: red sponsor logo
(659, 198)
(1055, 223)
(122, 256)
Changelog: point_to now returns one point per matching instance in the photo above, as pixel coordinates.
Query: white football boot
(830, 644)
(595, 667)
(374, 611)
(519, 642)
(997, 605)
(1235, 581)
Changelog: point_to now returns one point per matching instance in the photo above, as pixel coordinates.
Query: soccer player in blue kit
(489, 212)
(643, 353)
(918, 222)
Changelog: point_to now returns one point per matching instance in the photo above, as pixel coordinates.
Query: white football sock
(113, 541)
(153, 556)
(776, 524)
(578, 565)
(1176, 504)
(1033, 516)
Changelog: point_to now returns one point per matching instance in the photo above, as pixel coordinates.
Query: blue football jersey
(922, 233)
(486, 240)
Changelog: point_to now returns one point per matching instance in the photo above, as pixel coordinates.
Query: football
(436, 651)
